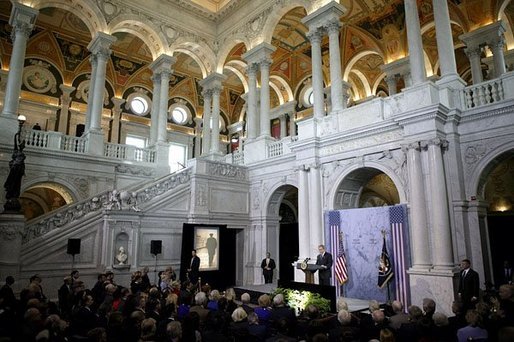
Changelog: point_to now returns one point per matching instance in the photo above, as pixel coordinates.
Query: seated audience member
(245, 303)
(264, 310)
(148, 329)
(399, 317)
(231, 304)
(282, 311)
(386, 335)
(428, 307)
(191, 328)
(441, 330)
(257, 332)
(411, 331)
(200, 307)
(174, 331)
(473, 331)
(239, 325)
(346, 330)
(458, 320)
(212, 304)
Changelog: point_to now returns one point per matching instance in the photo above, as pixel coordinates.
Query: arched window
(139, 106)
(179, 115)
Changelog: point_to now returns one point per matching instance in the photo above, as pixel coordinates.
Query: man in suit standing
(324, 260)
(468, 285)
(268, 265)
(194, 267)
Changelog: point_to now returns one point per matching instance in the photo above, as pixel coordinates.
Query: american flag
(341, 271)
(397, 218)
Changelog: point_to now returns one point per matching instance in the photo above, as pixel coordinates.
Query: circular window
(307, 97)
(310, 99)
(179, 115)
(139, 105)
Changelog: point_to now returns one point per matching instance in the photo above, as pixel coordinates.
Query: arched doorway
(283, 206)
(366, 187)
(497, 190)
(43, 198)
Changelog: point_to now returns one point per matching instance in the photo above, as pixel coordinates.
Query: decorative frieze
(227, 170)
(9, 232)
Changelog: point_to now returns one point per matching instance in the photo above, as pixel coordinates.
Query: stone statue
(122, 256)
(12, 184)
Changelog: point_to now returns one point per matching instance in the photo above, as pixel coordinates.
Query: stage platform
(354, 304)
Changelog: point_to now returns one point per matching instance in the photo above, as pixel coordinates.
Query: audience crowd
(182, 311)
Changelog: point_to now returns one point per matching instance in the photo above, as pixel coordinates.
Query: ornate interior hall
(261, 116)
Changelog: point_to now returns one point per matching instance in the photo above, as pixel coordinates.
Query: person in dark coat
(194, 267)
(65, 295)
(468, 286)
(324, 260)
(268, 265)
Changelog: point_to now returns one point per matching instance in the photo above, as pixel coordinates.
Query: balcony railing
(128, 152)
(49, 140)
(483, 93)
(73, 144)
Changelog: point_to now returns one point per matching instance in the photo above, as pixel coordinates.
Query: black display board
(222, 274)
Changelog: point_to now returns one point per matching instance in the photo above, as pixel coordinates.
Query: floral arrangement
(299, 300)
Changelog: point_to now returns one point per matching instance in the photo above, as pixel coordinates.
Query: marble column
(154, 116)
(161, 68)
(416, 57)
(116, 119)
(292, 125)
(212, 86)
(90, 92)
(473, 53)
(62, 126)
(445, 47)
(303, 213)
(392, 84)
(198, 137)
(206, 130)
(215, 129)
(265, 97)
(22, 20)
(283, 126)
(101, 52)
(315, 36)
(418, 220)
(497, 45)
(346, 93)
(315, 212)
(260, 55)
(251, 114)
(336, 79)
(162, 127)
(442, 256)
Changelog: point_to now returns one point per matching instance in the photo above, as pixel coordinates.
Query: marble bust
(122, 256)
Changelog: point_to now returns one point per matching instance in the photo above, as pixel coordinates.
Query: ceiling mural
(61, 38)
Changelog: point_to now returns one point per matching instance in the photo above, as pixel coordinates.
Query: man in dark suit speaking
(468, 285)
(324, 260)
(194, 267)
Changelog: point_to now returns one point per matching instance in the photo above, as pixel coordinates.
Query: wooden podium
(309, 270)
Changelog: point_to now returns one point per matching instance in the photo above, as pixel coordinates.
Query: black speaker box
(156, 247)
(73, 246)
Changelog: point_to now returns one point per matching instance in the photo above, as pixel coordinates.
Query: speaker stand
(155, 272)
(72, 262)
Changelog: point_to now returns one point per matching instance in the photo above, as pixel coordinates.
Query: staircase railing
(108, 200)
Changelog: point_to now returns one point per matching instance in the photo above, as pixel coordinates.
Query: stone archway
(282, 229)
(496, 215)
(365, 187)
(42, 198)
